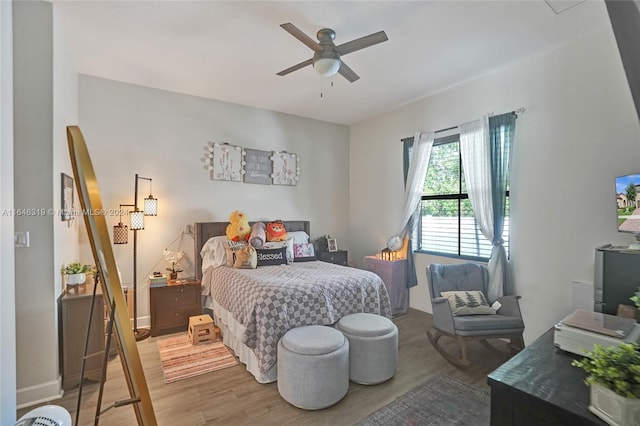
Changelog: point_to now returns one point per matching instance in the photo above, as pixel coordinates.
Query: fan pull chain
(322, 86)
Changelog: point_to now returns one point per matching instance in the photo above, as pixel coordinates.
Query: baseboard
(39, 394)
(144, 322)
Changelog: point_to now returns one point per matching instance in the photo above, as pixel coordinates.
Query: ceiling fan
(327, 57)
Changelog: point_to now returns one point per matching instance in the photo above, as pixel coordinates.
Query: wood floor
(232, 396)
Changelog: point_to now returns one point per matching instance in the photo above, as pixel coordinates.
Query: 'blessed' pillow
(468, 303)
(277, 256)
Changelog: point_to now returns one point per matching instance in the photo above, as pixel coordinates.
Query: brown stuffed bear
(276, 231)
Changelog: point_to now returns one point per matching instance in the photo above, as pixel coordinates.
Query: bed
(255, 307)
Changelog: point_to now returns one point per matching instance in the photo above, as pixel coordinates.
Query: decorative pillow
(246, 258)
(231, 248)
(303, 252)
(276, 231)
(299, 237)
(213, 252)
(258, 234)
(277, 256)
(468, 303)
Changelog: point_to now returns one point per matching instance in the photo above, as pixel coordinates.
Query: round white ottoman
(313, 366)
(373, 347)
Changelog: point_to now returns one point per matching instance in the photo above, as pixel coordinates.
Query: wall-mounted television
(628, 203)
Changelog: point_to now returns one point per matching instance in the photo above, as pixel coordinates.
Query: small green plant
(323, 239)
(636, 298)
(616, 368)
(77, 268)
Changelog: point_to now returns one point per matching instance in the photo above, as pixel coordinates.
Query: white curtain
(476, 163)
(422, 143)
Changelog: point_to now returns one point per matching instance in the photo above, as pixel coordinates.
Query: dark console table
(539, 386)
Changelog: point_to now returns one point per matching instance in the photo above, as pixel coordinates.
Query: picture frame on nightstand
(332, 244)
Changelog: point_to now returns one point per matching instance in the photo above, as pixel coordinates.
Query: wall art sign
(285, 168)
(258, 167)
(227, 162)
(66, 197)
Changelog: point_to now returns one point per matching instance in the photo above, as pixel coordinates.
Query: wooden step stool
(201, 329)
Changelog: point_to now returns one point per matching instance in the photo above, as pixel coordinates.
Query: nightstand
(339, 257)
(394, 276)
(173, 304)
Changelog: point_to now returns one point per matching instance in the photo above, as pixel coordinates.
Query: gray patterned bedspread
(270, 300)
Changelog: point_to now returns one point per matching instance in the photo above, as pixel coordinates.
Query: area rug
(182, 360)
(439, 401)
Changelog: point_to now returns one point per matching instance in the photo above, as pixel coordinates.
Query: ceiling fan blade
(362, 42)
(296, 67)
(348, 73)
(294, 31)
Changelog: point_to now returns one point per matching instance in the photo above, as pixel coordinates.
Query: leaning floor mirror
(96, 225)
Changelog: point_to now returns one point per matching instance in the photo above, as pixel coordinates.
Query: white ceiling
(232, 50)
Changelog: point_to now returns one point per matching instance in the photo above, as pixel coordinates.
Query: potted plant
(174, 258)
(322, 242)
(76, 272)
(614, 379)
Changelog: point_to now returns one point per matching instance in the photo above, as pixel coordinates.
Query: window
(447, 224)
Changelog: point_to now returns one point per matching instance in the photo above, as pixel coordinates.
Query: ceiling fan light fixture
(327, 67)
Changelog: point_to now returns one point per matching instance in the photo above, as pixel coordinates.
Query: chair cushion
(313, 340)
(457, 277)
(468, 303)
(366, 325)
(486, 323)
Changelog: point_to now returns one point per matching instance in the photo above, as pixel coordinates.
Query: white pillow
(213, 252)
(299, 237)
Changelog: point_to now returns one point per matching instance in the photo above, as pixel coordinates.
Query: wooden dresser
(73, 313)
(173, 304)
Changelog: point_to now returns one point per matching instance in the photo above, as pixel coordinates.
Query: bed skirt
(232, 331)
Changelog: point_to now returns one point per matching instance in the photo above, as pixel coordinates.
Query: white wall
(579, 131)
(65, 113)
(132, 129)
(45, 88)
(7, 272)
(37, 375)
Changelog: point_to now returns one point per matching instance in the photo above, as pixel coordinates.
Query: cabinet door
(74, 317)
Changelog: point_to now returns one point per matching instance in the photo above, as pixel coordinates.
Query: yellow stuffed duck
(238, 228)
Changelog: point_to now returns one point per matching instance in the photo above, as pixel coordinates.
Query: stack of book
(157, 280)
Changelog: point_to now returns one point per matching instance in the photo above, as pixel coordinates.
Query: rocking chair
(470, 277)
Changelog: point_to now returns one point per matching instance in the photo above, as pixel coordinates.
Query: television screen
(628, 203)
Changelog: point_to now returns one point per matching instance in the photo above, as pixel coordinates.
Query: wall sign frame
(258, 167)
(285, 168)
(66, 197)
(234, 163)
(227, 162)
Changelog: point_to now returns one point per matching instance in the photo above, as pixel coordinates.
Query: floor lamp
(121, 236)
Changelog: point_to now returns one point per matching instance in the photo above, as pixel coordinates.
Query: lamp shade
(120, 234)
(137, 220)
(150, 206)
(327, 66)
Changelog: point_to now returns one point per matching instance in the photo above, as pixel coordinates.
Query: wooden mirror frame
(96, 224)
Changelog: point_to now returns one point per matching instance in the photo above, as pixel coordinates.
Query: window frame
(458, 197)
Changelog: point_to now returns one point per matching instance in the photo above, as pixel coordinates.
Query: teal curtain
(412, 278)
(501, 131)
